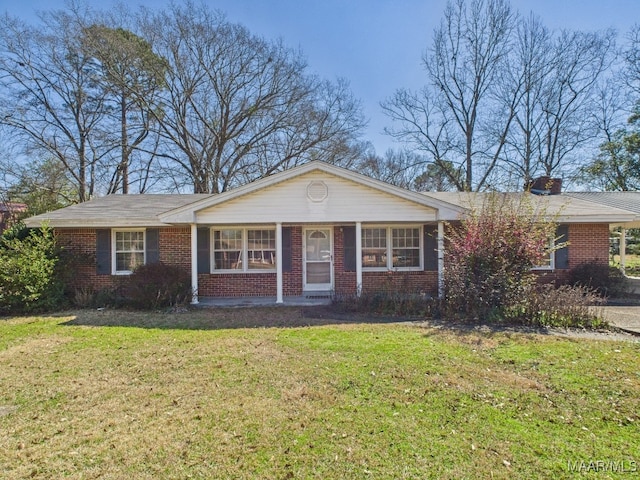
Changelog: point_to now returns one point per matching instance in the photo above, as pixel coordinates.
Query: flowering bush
(490, 255)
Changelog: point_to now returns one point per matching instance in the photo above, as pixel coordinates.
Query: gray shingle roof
(568, 208)
(116, 211)
(624, 200)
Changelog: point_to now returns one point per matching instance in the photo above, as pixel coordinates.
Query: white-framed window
(238, 249)
(392, 247)
(128, 250)
(549, 261)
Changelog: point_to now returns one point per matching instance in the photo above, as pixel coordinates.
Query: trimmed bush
(30, 271)
(606, 280)
(155, 286)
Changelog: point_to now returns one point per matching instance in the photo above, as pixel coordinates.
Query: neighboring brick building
(312, 230)
(9, 212)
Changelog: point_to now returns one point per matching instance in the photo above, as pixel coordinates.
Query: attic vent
(317, 191)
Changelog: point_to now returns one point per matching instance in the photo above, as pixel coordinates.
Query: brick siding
(588, 242)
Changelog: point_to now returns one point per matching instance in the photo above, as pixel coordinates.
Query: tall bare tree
(50, 99)
(570, 96)
(455, 119)
(238, 107)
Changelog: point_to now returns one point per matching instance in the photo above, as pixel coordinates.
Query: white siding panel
(287, 202)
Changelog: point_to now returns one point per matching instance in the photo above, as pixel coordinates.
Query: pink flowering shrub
(490, 255)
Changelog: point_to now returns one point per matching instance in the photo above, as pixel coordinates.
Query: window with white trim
(128, 250)
(244, 249)
(387, 248)
(549, 260)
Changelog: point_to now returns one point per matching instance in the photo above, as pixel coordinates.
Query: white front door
(318, 259)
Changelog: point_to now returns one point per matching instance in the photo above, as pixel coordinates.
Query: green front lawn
(122, 395)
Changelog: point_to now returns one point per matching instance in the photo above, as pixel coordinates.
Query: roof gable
(284, 197)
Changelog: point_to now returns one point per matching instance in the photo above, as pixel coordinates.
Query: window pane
(129, 250)
(374, 247)
(406, 257)
(128, 261)
(228, 260)
(406, 247)
(261, 249)
(227, 246)
(228, 240)
(374, 237)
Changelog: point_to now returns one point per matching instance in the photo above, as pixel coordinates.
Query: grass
(632, 263)
(118, 395)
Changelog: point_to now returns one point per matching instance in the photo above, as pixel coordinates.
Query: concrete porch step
(318, 294)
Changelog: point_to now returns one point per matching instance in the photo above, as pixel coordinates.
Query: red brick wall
(588, 242)
(175, 248)
(410, 282)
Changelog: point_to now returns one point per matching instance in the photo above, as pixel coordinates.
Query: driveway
(624, 317)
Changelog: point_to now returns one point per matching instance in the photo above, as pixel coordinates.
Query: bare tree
(530, 68)
(569, 98)
(455, 118)
(238, 107)
(406, 169)
(50, 99)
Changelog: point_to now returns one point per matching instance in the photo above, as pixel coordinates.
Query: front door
(318, 259)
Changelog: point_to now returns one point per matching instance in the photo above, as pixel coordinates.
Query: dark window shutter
(349, 248)
(431, 248)
(204, 250)
(287, 261)
(103, 252)
(562, 255)
(152, 241)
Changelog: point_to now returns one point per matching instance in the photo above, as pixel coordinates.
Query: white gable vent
(317, 191)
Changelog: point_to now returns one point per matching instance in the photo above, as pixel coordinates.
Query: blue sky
(375, 44)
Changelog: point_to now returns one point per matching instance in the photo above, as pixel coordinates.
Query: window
(548, 263)
(261, 249)
(374, 247)
(128, 250)
(386, 248)
(406, 247)
(227, 249)
(238, 249)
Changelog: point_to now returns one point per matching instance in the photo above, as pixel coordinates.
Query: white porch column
(358, 258)
(440, 259)
(623, 249)
(279, 289)
(194, 264)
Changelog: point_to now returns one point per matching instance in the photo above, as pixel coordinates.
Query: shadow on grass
(224, 318)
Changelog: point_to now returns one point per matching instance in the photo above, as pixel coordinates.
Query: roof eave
(72, 223)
